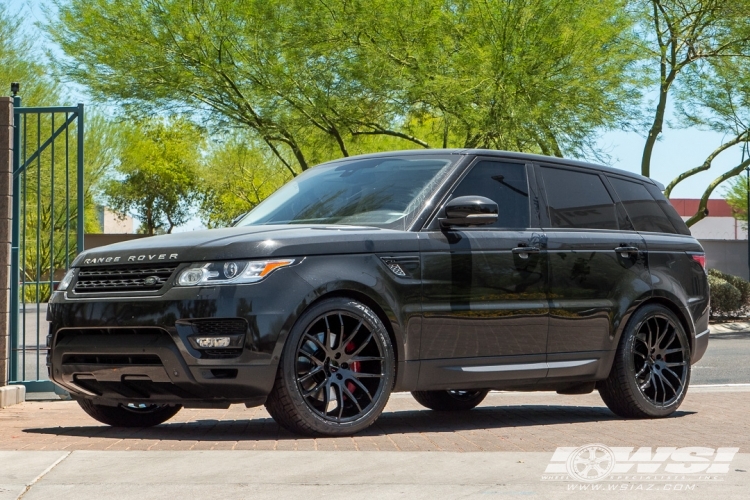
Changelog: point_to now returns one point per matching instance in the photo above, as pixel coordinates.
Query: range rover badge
(151, 280)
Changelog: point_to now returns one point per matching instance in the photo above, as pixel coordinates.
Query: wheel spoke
(366, 358)
(647, 383)
(315, 389)
(671, 339)
(315, 341)
(361, 347)
(330, 337)
(650, 334)
(367, 375)
(339, 399)
(311, 357)
(361, 386)
(672, 351)
(642, 370)
(671, 365)
(676, 377)
(351, 397)
(311, 373)
(351, 335)
(640, 354)
(664, 380)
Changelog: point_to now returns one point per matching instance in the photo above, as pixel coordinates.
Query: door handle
(524, 252)
(625, 251)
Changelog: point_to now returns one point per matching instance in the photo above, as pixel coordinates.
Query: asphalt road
(727, 360)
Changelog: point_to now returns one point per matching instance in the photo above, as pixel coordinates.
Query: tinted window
(677, 222)
(383, 191)
(578, 200)
(503, 183)
(641, 207)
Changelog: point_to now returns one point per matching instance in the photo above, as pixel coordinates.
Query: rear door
(484, 288)
(597, 268)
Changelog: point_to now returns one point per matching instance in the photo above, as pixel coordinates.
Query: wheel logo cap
(590, 463)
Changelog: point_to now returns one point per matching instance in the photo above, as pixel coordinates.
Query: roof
(509, 154)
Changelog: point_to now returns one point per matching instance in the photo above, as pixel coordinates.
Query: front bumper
(136, 349)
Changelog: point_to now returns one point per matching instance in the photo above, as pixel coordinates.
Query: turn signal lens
(191, 277)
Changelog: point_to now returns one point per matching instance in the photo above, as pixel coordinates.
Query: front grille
(123, 279)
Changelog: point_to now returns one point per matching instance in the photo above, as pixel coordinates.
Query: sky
(676, 151)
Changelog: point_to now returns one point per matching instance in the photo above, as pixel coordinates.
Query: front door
(484, 288)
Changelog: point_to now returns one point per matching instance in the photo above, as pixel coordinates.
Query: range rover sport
(447, 273)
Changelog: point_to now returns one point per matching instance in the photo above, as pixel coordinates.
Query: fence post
(6, 196)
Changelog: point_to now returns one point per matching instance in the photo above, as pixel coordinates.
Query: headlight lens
(235, 272)
(65, 282)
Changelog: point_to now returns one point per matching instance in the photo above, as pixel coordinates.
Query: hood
(251, 242)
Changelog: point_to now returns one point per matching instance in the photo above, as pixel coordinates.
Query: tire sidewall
(288, 365)
(626, 358)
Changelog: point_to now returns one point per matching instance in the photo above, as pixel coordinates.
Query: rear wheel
(450, 400)
(651, 372)
(336, 371)
(129, 415)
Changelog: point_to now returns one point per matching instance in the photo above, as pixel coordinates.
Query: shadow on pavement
(394, 422)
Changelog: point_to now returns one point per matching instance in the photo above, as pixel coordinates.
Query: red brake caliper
(353, 366)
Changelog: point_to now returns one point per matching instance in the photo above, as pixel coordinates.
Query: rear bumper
(137, 350)
(700, 346)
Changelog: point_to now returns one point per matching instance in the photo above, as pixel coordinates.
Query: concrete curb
(735, 327)
(12, 395)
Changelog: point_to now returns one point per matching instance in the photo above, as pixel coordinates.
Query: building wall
(113, 223)
(729, 256)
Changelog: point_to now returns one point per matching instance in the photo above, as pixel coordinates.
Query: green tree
(156, 178)
(234, 178)
(312, 80)
(717, 98)
(684, 34)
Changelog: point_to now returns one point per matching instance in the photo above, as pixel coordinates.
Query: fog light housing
(202, 341)
(212, 342)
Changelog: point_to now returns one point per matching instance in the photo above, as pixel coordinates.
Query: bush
(725, 297)
(740, 284)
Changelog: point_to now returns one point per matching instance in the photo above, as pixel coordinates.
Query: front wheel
(450, 400)
(336, 371)
(651, 371)
(129, 415)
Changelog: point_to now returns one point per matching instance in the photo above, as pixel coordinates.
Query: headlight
(234, 272)
(65, 282)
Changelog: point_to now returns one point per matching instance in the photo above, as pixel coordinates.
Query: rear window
(578, 200)
(644, 212)
(677, 222)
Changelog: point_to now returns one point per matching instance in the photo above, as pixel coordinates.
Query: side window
(668, 209)
(641, 207)
(503, 183)
(578, 200)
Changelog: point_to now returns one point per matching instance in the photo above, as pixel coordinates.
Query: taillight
(700, 258)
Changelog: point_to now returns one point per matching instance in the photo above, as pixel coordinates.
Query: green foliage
(312, 80)
(156, 179)
(234, 178)
(725, 298)
(19, 60)
(742, 285)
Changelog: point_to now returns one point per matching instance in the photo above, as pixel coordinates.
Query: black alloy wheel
(129, 415)
(651, 372)
(336, 371)
(453, 400)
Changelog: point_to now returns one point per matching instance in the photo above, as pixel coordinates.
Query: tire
(338, 353)
(450, 400)
(651, 371)
(131, 415)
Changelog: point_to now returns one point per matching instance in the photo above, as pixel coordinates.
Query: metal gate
(47, 228)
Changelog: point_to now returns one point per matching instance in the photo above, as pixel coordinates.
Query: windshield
(385, 192)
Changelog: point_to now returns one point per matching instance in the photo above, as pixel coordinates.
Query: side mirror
(469, 211)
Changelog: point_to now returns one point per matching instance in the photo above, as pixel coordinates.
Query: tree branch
(702, 212)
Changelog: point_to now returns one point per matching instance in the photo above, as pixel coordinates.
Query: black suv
(446, 273)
